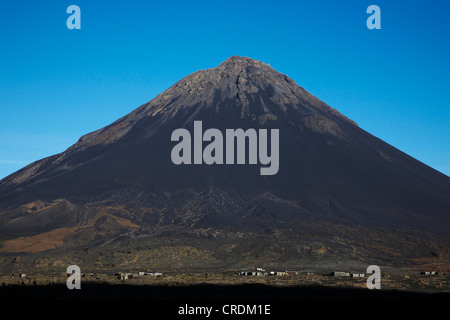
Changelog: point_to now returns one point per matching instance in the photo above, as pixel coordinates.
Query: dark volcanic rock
(331, 171)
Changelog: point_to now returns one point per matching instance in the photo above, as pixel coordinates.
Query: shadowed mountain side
(119, 181)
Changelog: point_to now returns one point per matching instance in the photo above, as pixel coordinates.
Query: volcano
(339, 194)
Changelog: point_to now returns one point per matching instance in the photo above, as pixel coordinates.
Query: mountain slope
(119, 181)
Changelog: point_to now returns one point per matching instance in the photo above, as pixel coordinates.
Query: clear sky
(57, 84)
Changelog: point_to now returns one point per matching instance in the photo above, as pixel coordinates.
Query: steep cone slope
(330, 170)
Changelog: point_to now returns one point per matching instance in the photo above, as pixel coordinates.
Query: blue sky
(58, 84)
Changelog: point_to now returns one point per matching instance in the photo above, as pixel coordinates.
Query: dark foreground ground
(209, 292)
(284, 302)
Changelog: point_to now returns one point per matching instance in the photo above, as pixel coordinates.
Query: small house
(357, 275)
(155, 274)
(429, 273)
(124, 276)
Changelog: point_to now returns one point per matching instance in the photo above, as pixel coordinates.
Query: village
(409, 281)
(263, 272)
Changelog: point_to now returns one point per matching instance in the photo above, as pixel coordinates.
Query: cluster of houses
(256, 272)
(361, 275)
(127, 275)
(430, 273)
(347, 274)
(263, 272)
